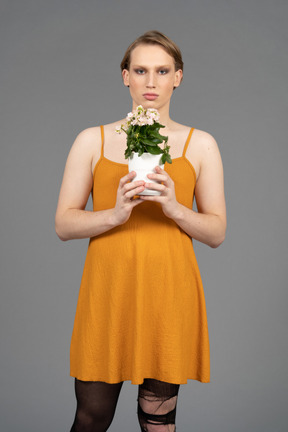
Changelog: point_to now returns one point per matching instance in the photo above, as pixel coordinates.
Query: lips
(150, 96)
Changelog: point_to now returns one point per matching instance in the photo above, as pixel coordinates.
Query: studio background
(60, 74)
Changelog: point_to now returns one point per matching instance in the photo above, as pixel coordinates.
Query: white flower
(139, 117)
(154, 114)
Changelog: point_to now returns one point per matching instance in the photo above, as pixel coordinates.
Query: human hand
(125, 203)
(165, 185)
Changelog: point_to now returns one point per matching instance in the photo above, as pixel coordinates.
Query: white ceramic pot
(144, 165)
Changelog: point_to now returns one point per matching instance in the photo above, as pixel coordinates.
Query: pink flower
(139, 117)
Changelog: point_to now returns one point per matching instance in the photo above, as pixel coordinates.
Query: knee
(86, 421)
(151, 422)
(154, 405)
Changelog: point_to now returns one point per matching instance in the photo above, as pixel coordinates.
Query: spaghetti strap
(102, 140)
(187, 142)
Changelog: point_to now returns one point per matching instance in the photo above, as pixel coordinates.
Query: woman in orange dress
(141, 312)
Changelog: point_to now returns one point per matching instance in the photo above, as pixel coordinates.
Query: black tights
(96, 405)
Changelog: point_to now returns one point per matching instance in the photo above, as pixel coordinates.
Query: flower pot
(143, 165)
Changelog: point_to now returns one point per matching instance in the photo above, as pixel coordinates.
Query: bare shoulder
(203, 141)
(86, 148)
(202, 149)
(88, 139)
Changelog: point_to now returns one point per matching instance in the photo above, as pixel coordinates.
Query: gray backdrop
(59, 75)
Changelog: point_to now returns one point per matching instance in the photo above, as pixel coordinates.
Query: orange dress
(141, 309)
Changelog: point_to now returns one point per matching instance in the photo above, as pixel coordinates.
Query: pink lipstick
(150, 96)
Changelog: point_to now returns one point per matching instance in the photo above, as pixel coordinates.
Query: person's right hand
(125, 203)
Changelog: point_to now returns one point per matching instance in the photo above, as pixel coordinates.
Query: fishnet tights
(97, 401)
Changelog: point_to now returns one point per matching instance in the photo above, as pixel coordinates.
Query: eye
(163, 71)
(140, 71)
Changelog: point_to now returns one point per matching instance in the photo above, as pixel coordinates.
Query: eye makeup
(162, 70)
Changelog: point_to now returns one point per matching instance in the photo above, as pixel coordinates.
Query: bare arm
(72, 221)
(208, 225)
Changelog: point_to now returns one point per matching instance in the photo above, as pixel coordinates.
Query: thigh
(96, 405)
(96, 396)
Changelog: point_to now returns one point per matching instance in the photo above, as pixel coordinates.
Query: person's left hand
(167, 199)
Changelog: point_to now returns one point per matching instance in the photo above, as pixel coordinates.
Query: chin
(151, 104)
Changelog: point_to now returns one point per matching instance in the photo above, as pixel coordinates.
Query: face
(151, 77)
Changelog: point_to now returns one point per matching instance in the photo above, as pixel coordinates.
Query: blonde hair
(154, 37)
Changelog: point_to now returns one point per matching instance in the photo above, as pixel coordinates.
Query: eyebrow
(157, 67)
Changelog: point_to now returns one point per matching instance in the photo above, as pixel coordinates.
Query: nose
(151, 81)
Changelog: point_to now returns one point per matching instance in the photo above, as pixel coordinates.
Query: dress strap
(187, 142)
(102, 140)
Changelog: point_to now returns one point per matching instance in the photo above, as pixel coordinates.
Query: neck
(165, 119)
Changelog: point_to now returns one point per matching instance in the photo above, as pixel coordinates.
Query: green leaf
(140, 152)
(156, 140)
(149, 142)
(141, 139)
(155, 134)
(128, 153)
(154, 126)
(166, 158)
(154, 150)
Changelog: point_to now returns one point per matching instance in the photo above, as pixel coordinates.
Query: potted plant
(143, 138)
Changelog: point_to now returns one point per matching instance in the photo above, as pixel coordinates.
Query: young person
(141, 312)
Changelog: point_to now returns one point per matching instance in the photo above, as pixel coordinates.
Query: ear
(125, 76)
(178, 78)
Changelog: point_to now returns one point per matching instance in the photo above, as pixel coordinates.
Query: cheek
(135, 83)
(169, 84)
